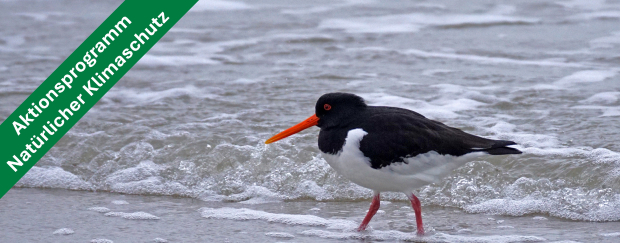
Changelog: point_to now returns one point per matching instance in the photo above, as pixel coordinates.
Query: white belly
(419, 171)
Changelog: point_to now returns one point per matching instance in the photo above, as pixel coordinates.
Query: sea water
(175, 151)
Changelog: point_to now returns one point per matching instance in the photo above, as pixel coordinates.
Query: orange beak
(311, 121)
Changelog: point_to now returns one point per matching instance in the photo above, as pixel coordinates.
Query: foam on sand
(101, 241)
(390, 235)
(63, 231)
(344, 229)
(99, 209)
(135, 215)
(280, 235)
(289, 219)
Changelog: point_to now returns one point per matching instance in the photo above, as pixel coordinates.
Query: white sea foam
(586, 76)
(614, 234)
(99, 209)
(415, 21)
(608, 111)
(325, 7)
(135, 215)
(101, 241)
(160, 240)
(132, 97)
(150, 185)
(119, 202)
(219, 5)
(367, 25)
(255, 195)
(280, 235)
(607, 41)
(308, 188)
(41, 16)
(442, 108)
(505, 227)
(503, 10)
(583, 4)
(52, 177)
(181, 52)
(63, 231)
(603, 98)
(611, 14)
(372, 235)
(311, 10)
(436, 72)
(541, 87)
(289, 219)
(186, 30)
(488, 60)
(378, 235)
(431, 6)
(169, 60)
(554, 207)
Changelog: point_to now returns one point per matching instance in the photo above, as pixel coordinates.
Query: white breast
(419, 171)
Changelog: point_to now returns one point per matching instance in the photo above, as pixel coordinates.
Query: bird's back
(395, 134)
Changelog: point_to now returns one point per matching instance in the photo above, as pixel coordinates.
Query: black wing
(395, 133)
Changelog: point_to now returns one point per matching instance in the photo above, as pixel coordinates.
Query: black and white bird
(390, 149)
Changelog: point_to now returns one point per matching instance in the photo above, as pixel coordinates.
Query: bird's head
(336, 109)
(331, 110)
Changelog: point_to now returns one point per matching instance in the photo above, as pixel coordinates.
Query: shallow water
(54, 215)
(189, 120)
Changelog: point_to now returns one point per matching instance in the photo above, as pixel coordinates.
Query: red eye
(327, 107)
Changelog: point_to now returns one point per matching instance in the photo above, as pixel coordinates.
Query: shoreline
(37, 213)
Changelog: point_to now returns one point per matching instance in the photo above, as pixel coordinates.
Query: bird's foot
(420, 232)
(362, 227)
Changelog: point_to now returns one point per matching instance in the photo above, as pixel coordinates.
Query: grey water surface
(175, 151)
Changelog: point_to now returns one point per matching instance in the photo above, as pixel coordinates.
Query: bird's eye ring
(327, 107)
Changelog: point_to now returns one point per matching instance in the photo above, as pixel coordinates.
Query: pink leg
(417, 208)
(374, 206)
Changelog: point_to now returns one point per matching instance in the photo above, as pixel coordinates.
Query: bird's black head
(338, 109)
(332, 110)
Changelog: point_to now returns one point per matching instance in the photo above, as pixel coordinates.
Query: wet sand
(33, 215)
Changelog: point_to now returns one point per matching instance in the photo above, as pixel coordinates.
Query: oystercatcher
(390, 149)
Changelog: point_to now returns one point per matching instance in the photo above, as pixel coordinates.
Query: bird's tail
(501, 147)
